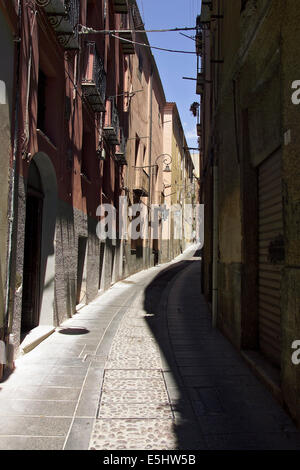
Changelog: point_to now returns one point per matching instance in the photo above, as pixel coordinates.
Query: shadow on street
(217, 402)
(172, 337)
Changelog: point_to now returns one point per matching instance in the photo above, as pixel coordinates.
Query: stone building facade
(179, 185)
(80, 111)
(250, 183)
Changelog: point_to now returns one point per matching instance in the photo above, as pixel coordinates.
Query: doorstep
(35, 337)
(265, 372)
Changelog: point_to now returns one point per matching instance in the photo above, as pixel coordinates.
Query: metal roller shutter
(271, 256)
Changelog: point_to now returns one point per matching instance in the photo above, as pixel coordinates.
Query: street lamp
(166, 161)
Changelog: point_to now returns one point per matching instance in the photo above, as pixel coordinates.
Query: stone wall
(254, 117)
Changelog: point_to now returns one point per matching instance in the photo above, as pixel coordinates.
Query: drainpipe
(150, 168)
(215, 247)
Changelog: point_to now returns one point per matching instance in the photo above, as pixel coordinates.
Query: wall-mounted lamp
(166, 161)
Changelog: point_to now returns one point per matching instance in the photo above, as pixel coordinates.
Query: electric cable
(151, 47)
(87, 30)
(189, 37)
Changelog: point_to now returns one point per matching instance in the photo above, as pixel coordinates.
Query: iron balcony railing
(199, 125)
(94, 78)
(111, 127)
(199, 43)
(141, 184)
(64, 17)
(121, 149)
(120, 6)
(199, 129)
(126, 37)
(200, 81)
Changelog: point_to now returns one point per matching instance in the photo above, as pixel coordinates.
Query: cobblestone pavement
(135, 411)
(141, 368)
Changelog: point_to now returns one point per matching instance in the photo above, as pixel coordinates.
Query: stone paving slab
(37, 408)
(68, 381)
(79, 434)
(31, 443)
(34, 426)
(47, 393)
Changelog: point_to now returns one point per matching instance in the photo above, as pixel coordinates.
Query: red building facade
(82, 125)
(68, 118)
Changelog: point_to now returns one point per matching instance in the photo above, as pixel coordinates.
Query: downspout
(215, 217)
(150, 168)
(215, 247)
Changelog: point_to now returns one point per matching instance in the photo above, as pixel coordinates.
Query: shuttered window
(271, 257)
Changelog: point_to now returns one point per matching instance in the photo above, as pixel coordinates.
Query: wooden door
(32, 262)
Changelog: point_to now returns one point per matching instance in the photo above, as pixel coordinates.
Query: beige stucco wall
(145, 125)
(178, 180)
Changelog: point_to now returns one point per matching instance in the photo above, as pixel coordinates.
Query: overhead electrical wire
(87, 30)
(187, 36)
(152, 47)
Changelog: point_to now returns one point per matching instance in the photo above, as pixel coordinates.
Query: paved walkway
(141, 368)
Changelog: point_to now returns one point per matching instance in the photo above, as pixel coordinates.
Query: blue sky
(161, 14)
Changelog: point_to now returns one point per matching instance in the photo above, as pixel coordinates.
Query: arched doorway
(39, 246)
(32, 251)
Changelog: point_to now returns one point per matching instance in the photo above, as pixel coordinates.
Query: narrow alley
(140, 368)
(149, 227)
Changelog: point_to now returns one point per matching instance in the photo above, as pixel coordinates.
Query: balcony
(199, 130)
(111, 126)
(199, 43)
(200, 83)
(63, 16)
(127, 47)
(120, 6)
(120, 153)
(94, 78)
(141, 184)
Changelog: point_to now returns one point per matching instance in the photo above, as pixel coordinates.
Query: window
(140, 66)
(137, 145)
(47, 90)
(41, 118)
